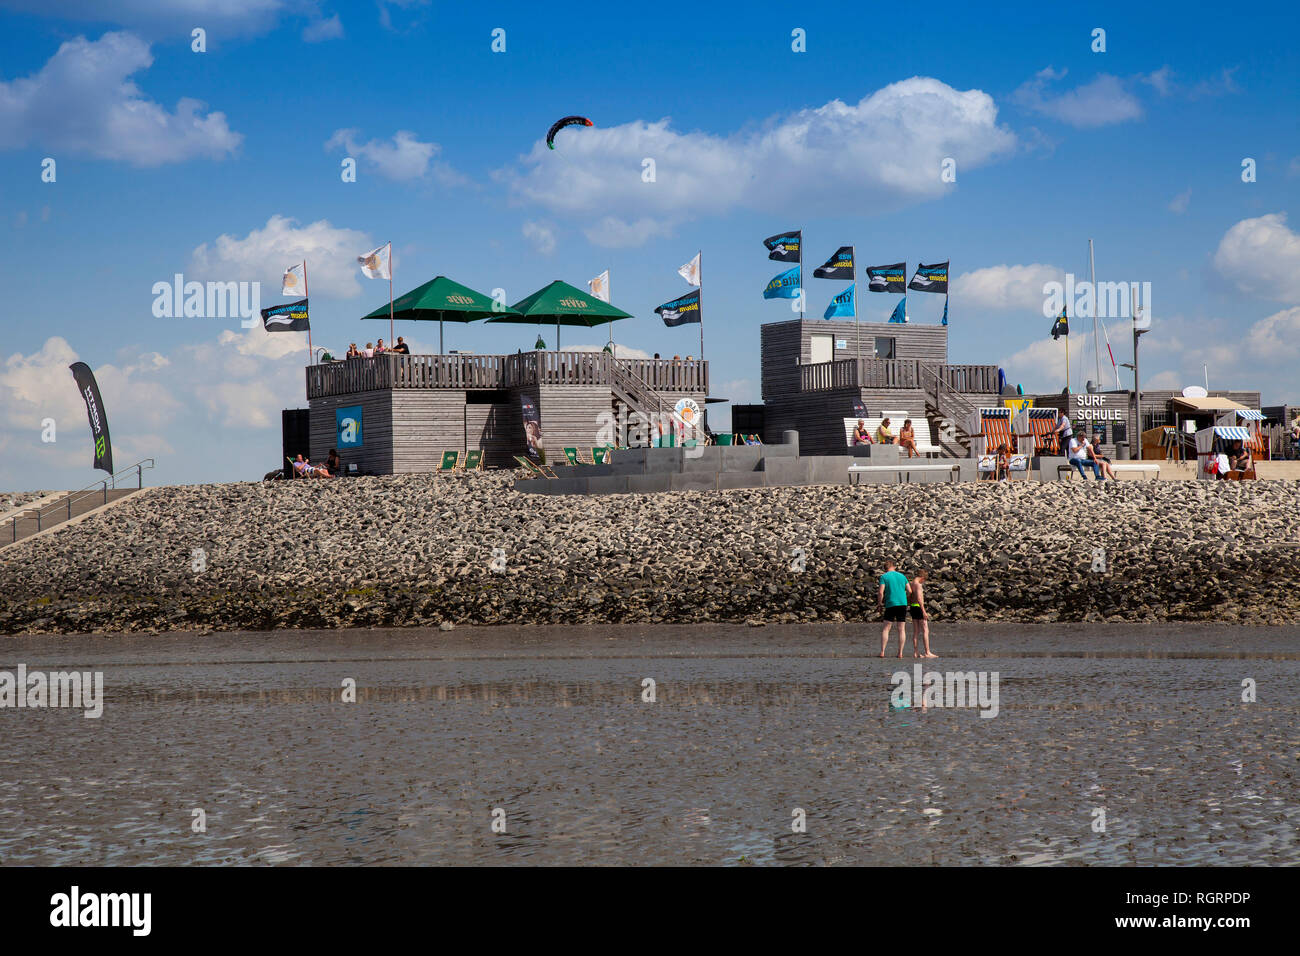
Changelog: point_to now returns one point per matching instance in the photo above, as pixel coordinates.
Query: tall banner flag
(900, 312)
(785, 246)
(842, 306)
(945, 311)
(89, 389)
(532, 430)
(691, 271)
(290, 317)
(838, 266)
(599, 287)
(680, 311)
(887, 278)
(1061, 326)
(930, 278)
(295, 280)
(784, 286)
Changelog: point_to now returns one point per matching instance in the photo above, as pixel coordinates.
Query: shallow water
(750, 724)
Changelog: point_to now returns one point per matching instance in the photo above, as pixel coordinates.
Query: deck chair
(474, 459)
(600, 456)
(294, 472)
(572, 455)
(534, 469)
(1042, 427)
(449, 461)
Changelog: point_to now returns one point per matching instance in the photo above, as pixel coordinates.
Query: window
(885, 346)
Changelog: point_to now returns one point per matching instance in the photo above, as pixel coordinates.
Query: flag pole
(700, 303)
(306, 294)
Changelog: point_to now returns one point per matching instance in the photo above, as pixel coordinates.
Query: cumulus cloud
(263, 255)
(1276, 339)
(83, 102)
(1262, 257)
(541, 235)
(320, 30)
(159, 17)
(1007, 287)
(1160, 80)
(1180, 202)
(1099, 103)
(404, 159)
(882, 153)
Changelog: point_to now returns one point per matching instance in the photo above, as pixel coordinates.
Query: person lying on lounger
(305, 468)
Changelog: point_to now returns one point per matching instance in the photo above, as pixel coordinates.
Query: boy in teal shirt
(892, 599)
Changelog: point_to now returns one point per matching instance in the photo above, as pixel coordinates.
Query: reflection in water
(582, 770)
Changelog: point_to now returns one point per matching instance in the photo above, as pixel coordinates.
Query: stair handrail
(636, 387)
(82, 493)
(964, 405)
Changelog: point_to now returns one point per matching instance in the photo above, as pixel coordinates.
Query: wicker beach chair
(1042, 427)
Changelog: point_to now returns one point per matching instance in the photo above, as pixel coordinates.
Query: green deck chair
(600, 456)
(474, 460)
(572, 455)
(449, 460)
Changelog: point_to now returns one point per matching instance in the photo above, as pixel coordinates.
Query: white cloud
(1007, 287)
(405, 159)
(162, 17)
(320, 30)
(1276, 339)
(1100, 103)
(1161, 80)
(1262, 257)
(241, 404)
(541, 235)
(1180, 202)
(882, 153)
(264, 254)
(82, 102)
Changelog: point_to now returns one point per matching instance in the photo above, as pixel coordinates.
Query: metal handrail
(82, 494)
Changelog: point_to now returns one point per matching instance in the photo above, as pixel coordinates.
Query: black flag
(888, 278)
(838, 266)
(681, 311)
(95, 412)
(785, 246)
(290, 317)
(930, 278)
(1061, 326)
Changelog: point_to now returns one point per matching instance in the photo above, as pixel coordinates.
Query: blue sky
(225, 165)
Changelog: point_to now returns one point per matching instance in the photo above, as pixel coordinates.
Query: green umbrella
(443, 300)
(562, 304)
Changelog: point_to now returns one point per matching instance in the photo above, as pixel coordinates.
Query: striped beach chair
(1042, 428)
(994, 430)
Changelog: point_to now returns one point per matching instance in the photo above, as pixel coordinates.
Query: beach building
(396, 414)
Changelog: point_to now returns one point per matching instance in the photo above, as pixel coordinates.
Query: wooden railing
(392, 370)
(895, 373)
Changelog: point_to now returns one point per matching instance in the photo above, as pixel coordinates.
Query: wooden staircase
(948, 412)
(24, 524)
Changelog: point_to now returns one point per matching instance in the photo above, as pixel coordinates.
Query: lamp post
(1139, 328)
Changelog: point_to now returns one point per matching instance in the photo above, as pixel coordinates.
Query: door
(823, 348)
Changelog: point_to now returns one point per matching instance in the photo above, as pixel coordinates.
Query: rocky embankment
(467, 549)
(13, 500)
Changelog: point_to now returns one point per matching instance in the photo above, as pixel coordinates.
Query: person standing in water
(920, 616)
(891, 598)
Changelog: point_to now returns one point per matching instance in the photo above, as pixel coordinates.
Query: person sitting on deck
(907, 439)
(401, 346)
(884, 436)
(1080, 459)
(380, 347)
(353, 351)
(860, 434)
(1094, 452)
(368, 351)
(1239, 456)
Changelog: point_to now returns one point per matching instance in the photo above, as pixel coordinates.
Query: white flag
(375, 263)
(599, 286)
(691, 271)
(295, 280)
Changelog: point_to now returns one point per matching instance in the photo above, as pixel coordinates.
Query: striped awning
(1250, 415)
(1232, 432)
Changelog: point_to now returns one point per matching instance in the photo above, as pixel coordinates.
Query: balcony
(895, 373)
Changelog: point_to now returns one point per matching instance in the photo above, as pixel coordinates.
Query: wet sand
(750, 723)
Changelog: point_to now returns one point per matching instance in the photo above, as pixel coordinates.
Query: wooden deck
(521, 370)
(894, 373)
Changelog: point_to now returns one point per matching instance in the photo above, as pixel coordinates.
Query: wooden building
(815, 371)
(395, 414)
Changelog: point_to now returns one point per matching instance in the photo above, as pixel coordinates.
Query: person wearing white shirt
(1080, 459)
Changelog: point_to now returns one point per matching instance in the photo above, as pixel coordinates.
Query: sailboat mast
(1096, 345)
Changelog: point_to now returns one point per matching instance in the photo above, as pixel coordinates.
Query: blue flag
(945, 311)
(900, 311)
(842, 306)
(784, 286)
